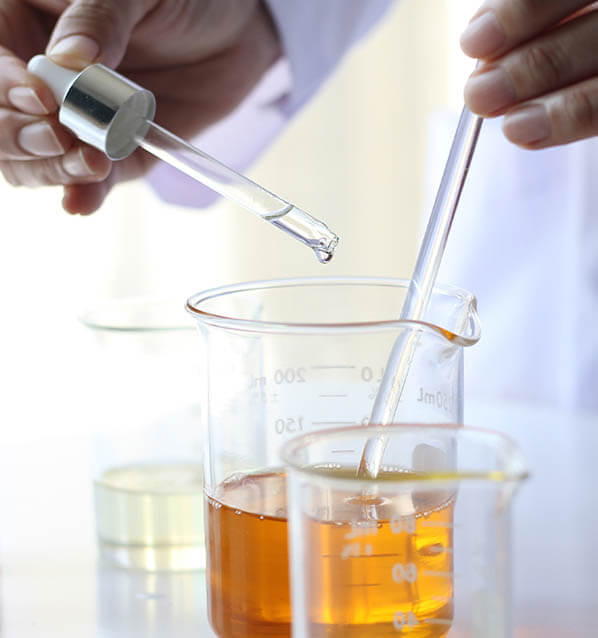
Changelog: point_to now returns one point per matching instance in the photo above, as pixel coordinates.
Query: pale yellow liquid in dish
(151, 516)
(392, 577)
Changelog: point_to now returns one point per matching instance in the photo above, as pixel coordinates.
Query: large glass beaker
(287, 357)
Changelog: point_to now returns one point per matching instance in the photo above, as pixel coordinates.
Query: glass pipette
(238, 188)
(112, 113)
(421, 285)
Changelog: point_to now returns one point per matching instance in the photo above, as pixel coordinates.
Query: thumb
(90, 31)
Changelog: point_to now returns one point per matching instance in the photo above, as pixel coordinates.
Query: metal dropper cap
(100, 106)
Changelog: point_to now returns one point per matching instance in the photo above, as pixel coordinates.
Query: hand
(199, 57)
(540, 69)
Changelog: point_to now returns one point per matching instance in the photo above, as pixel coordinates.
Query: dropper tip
(325, 254)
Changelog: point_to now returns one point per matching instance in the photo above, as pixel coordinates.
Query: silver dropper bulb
(100, 106)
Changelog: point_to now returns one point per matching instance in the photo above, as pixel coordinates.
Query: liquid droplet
(323, 256)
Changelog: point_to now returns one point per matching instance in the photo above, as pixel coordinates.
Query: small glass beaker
(290, 356)
(420, 551)
(147, 453)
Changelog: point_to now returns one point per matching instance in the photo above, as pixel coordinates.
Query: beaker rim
(136, 314)
(514, 468)
(468, 336)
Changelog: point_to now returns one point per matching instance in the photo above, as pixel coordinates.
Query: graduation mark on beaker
(404, 572)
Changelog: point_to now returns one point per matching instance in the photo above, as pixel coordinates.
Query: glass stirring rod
(421, 285)
(238, 188)
(112, 113)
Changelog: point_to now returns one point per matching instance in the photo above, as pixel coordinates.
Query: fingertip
(43, 138)
(87, 163)
(484, 36)
(97, 161)
(31, 100)
(489, 91)
(470, 98)
(45, 94)
(68, 201)
(23, 90)
(83, 199)
(93, 31)
(528, 126)
(74, 51)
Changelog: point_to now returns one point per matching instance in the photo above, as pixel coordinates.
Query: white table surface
(52, 584)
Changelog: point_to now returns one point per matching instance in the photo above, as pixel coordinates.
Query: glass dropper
(115, 115)
(238, 188)
(421, 286)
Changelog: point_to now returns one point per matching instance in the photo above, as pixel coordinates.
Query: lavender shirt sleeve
(315, 36)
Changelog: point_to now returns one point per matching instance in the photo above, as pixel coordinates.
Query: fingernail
(75, 165)
(26, 99)
(483, 36)
(527, 125)
(489, 91)
(76, 50)
(39, 138)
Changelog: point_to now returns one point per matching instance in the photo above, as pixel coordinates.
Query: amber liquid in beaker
(373, 577)
(247, 557)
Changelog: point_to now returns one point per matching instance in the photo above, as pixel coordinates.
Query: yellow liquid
(151, 516)
(386, 576)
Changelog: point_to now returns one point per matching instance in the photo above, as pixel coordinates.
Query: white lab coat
(525, 241)
(526, 236)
